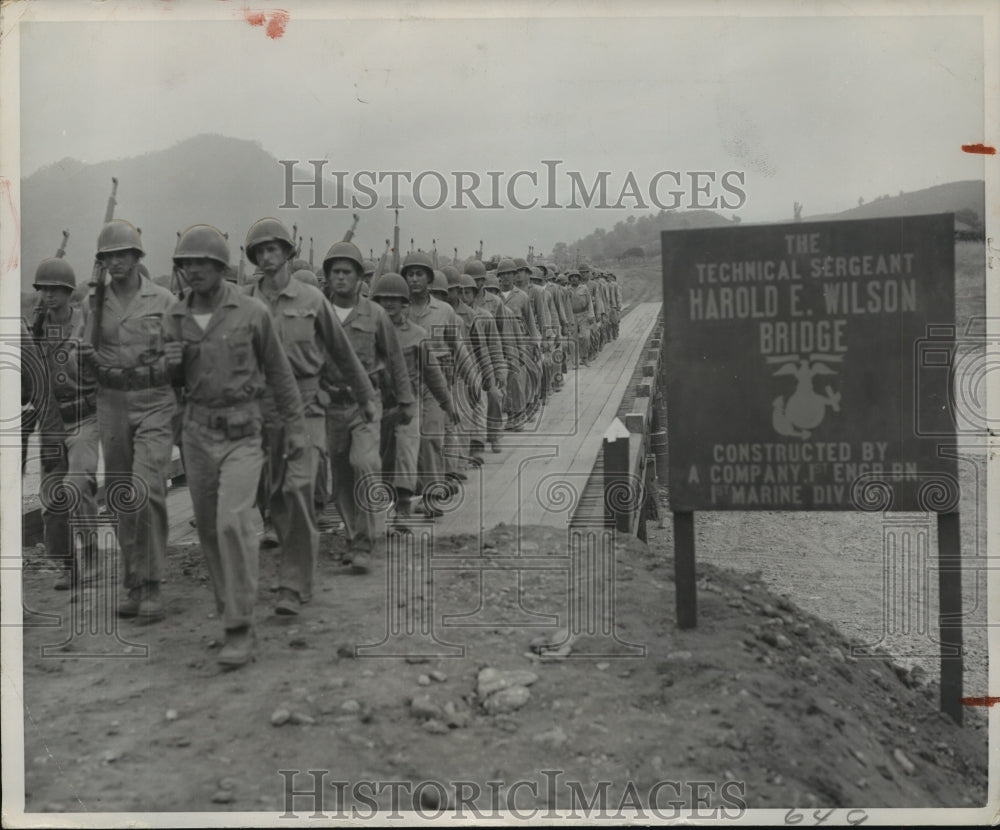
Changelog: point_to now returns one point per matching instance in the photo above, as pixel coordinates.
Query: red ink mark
(276, 25)
(276, 21)
(980, 701)
(982, 149)
(12, 259)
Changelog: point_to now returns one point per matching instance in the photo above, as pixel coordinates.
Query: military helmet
(572, 272)
(390, 284)
(306, 276)
(543, 268)
(492, 281)
(466, 281)
(536, 274)
(56, 272)
(562, 279)
(506, 266)
(440, 282)
(202, 242)
(451, 275)
(299, 264)
(267, 230)
(475, 268)
(522, 264)
(119, 235)
(584, 269)
(415, 258)
(343, 250)
(368, 267)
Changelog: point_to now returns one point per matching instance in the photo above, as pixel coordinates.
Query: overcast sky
(818, 110)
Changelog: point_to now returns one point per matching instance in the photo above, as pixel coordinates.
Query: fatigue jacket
(311, 335)
(581, 302)
(444, 330)
(484, 340)
(426, 376)
(376, 344)
(237, 359)
(132, 336)
(539, 308)
(72, 378)
(519, 302)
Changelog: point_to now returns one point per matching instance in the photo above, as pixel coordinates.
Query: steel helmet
(55, 271)
(572, 272)
(440, 282)
(584, 269)
(306, 276)
(506, 266)
(475, 269)
(202, 242)
(536, 274)
(492, 281)
(521, 263)
(543, 268)
(299, 264)
(343, 250)
(562, 279)
(368, 267)
(451, 275)
(466, 281)
(390, 284)
(267, 230)
(119, 235)
(415, 258)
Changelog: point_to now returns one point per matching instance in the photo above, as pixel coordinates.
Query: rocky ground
(762, 704)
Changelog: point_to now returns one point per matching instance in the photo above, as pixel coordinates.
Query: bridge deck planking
(566, 441)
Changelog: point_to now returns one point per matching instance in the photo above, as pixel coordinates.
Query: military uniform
(352, 442)
(311, 334)
(583, 312)
(135, 407)
(227, 370)
(528, 374)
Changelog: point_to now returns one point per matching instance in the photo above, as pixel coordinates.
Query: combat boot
(129, 607)
(238, 649)
(288, 603)
(150, 604)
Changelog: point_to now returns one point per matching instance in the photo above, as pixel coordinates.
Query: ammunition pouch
(73, 410)
(239, 421)
(137, 377)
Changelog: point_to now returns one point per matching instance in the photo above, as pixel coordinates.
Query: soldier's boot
(238, 648)
(65, 580)
(476, 453)
(269, 538)
(289, 602)
(150, 603)
(129, 607)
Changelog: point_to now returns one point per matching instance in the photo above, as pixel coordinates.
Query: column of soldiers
(396, 378)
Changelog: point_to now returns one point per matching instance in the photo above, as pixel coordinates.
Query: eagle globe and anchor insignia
(804, 409)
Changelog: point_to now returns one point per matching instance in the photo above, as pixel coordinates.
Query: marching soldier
(400, 444)
(616, 304)
(521, 403)
(569, 332)
(135, 405)
(444, 327)
(484, 343)
(583, 311)
(226, 353)
(353, 433)
(312, 338)
(73, 432)
(483, 300)
(458, 443)
(553, 376)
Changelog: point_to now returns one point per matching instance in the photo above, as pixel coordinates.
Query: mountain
(953, 197)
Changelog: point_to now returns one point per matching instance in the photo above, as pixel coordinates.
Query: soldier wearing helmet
(313, 339)
(352, 440)
(583, 311)
(484, 342)
(523, 383)
(73, 431)
(400, 441)
(444, 327)
(616, 304)
(226, 353)
(135, 406)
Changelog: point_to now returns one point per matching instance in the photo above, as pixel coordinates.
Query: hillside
(953, 197)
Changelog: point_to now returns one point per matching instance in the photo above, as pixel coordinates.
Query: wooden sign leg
(950, 613)
(684, 577)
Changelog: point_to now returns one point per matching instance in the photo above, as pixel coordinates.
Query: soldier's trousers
(68, 490)
(583, 340)
(400, 448)
(222, 475)
(353, 445)
(137, 438)
(291, 503)
(494, 415)
(455, 435)
(430, 464)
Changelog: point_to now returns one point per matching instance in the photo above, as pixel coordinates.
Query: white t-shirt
(341, 312)
(202, 319)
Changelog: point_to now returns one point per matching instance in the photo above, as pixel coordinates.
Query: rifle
(241, 275)
(350, 233)
(295, 231)
(100, 271)
(395, 245)
(311, 253)
(298, 248)
(456, 257)
(383, 262)
(479, 253)
(62, 248)
(434, 258)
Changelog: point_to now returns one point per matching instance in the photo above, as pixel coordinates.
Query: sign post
(809, 368)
